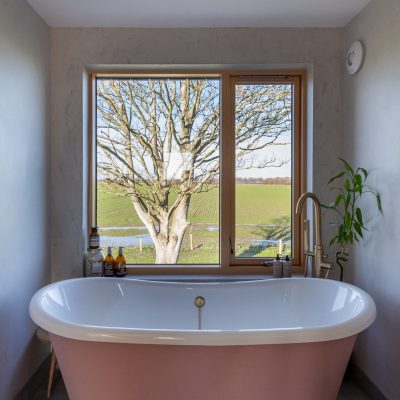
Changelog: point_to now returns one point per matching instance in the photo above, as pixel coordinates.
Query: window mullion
(226, 170)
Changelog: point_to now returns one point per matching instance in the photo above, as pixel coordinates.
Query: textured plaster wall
(73, 50)
(24, 183)
(372, 140)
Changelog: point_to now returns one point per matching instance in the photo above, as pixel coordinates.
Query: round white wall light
(355, 57)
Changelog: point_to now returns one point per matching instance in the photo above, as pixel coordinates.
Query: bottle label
(121, 269)
(94, 242)
(94, 268)
(97, 267)
(108, 269)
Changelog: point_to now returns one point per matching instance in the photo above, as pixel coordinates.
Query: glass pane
(263, 135)
(158, 169)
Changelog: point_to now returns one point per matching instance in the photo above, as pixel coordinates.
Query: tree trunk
(166, 255)
(168, 252)
(168, 238)
(168, 248)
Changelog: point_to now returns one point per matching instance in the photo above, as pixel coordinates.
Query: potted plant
(349, 186)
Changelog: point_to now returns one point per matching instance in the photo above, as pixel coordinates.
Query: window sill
(204, 278)
(206, 271)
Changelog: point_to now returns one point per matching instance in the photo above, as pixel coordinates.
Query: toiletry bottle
(277, 267)
(120, 264)
(108, 267)
(287, 268)
(94, 255)
(94, 238)
(94, 262)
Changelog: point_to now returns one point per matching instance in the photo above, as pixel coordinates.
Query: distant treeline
(281, 180)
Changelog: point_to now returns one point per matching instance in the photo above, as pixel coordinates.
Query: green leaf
(339, 175)
(347, 201)
(351, 237)
(379, 202)
(364, 171)
(347, 166)
(347, 185)
(359, 216)
(347, 220)
(333, 240)
(330, 206)
(338, 199)
(358, 183)
(358, 229)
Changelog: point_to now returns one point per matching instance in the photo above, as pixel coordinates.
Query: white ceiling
(198, 13)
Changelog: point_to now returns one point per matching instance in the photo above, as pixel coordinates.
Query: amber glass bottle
(109, 263)
(94, 238)
(120, 264)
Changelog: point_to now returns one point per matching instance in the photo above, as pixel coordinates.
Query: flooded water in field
(198, 236)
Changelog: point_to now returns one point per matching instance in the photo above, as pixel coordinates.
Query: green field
(257, 206)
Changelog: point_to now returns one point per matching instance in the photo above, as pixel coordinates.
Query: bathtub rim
(349, 327)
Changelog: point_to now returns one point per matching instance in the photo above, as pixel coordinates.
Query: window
(197, 170)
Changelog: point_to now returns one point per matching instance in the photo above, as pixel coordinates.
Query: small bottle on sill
(94, 255)
(94, 238)
(277, 267)
(109, 262)
(120, 264)
(94, 262)
(287, 268)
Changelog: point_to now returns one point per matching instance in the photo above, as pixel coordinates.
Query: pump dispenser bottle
(109, 262)
(277, 267)
(287, 268)
(120, 264)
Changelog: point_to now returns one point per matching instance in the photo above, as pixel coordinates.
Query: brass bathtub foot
(53, 364)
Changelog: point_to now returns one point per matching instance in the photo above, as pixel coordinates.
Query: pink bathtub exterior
(119, 371)
(277, 339)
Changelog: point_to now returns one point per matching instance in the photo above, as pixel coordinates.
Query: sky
(280, 152)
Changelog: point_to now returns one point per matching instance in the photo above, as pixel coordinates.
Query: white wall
(24, 187)
(372, 140)
(73, 50)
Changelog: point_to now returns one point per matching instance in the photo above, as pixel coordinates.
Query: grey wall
(372, 140)
(24, 185)
(72, 50)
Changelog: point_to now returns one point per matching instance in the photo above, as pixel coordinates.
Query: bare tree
(159, 142)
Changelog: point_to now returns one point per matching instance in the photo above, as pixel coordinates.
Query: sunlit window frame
(229, 264)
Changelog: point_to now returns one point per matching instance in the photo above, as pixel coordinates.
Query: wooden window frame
(229, 264)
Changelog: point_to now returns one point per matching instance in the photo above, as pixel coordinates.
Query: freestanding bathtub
(276, 339)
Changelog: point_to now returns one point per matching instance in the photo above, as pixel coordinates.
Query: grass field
(262, 212)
